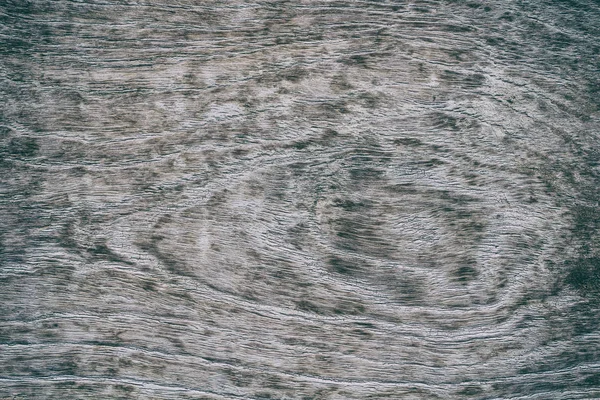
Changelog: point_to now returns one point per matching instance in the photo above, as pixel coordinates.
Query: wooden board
(299, 200)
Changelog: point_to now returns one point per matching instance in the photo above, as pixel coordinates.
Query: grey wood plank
(299, 200)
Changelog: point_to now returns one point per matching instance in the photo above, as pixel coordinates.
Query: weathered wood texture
(299, 200)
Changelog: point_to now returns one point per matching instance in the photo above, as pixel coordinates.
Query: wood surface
(299, 199)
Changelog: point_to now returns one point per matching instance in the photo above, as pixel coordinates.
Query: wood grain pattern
(299, 200)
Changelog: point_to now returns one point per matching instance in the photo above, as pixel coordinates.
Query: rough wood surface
(299, 200)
